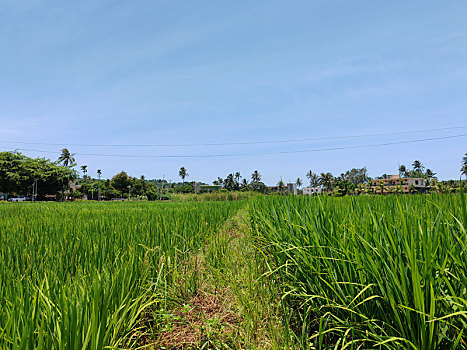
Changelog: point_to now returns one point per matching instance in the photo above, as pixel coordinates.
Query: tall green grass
(80, 275)
(386, 272)
(214, 196)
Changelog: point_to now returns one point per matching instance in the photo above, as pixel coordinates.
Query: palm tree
(237, 179)
(309, 175)
(429, 173)
(229, 182)
(313, 178)
(256, 176)
(418, 166)
(183, 173)
(402, 171)
(84, 169)
(326, 180)
(66, 158)
(298, 182)
(281, 185)
(464, 166)
(244, 184)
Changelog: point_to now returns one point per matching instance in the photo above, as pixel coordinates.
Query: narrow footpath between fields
(225, 298)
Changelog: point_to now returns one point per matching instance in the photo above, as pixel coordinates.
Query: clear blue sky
(164, 72)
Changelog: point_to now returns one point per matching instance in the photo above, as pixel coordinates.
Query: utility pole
(160, 195)
(99, 172)
(34, 191)
(129, 192)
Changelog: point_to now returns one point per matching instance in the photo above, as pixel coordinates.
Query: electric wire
(237, 143)
(252, 154)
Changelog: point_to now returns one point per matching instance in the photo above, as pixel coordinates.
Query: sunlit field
(80, 275)
(385, 272)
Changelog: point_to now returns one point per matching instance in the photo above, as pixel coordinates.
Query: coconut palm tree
(313, 178)
(299, 182)
(229, 182)
(66, 158)
(402, 171)
(418, 167)
(464, 166)
(429, 173)
(183, 174)
(244, 184)
(326, 180)
(237, 176)
(84, 169)
(256, 176)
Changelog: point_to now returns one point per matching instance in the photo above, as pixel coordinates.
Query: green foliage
(121, 181)
(219, 196)
(82, 275)
(17, 174)
(368, 272)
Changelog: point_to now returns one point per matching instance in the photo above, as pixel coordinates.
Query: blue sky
(165, 72)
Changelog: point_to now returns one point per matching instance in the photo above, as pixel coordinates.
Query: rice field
(81, 275)
(384, 272)
(367, 272)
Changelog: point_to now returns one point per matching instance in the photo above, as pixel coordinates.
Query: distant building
(292, 188)
(313, 190)
(393, 184)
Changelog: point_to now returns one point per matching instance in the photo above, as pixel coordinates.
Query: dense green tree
(356, 176)
(17, 174)
(120, 182)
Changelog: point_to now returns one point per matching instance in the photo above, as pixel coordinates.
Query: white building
(292, 188)
(313, 190)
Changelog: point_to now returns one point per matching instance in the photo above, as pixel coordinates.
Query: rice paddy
(385, 272)
(382, 272)
(80, 275)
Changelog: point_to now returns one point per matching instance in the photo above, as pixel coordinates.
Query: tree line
(19, 173)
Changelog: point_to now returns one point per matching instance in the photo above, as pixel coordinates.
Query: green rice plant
(368, 272)
(82, 275)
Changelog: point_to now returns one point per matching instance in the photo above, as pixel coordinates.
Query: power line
(236, 143)
(253, 154)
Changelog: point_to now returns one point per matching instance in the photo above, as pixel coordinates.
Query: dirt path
(226, 303)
